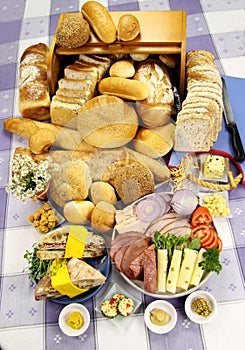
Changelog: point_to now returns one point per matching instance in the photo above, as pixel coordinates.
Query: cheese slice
(198, 271)
(173, 272)
(187, 267)
(162, 264)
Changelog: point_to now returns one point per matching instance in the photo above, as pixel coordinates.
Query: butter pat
(214, 167)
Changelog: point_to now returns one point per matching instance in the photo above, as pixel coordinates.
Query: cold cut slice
(150, 270)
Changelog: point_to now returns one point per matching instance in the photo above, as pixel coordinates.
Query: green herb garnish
(211, 261)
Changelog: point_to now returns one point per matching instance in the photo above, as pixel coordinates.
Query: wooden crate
(162, 32)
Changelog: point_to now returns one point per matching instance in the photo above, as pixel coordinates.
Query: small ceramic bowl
(168, 308)
(194, 316)
(64, 314)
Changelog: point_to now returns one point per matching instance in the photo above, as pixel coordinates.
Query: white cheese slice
(198, 271)
(187, 267)
(173, 272)
(162, 264)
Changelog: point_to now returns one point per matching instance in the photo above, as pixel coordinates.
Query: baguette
(65, 138)
(125, 88)
(100, 20)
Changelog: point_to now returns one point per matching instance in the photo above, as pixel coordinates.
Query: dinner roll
(107, 122)
(78, 212)
(155, 142)
(128, 27)
(103, 217)
(102, 191)
(122, 69)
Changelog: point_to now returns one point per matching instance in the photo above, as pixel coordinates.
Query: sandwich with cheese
(82, 275)
(53, 245)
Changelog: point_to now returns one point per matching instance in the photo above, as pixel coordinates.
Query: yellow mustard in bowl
(75, 320)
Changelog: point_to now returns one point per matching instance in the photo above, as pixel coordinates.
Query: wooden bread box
(162, 32)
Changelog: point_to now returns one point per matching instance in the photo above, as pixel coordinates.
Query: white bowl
(193, 316)
(168, 308)
(64, 314)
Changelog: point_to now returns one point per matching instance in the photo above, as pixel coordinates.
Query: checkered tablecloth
(217, 26)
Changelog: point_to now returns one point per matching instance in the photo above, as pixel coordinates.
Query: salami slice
(150, 270)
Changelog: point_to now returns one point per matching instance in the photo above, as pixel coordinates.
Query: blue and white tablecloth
(217, 26)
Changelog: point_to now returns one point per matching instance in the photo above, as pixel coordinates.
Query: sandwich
(53, 245)
(81, 274)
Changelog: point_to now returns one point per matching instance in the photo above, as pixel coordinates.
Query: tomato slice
(204, 232)
(220, 244)
(213, 243)
(201, 216)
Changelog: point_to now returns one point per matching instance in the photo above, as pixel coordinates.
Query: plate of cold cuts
(152, 254)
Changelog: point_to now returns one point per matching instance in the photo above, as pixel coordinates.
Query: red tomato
(220, 244)
(204, 232)
(201, 216)
(213, 243)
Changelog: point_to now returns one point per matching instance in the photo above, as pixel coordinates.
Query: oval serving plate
(139, 285)
(102, 264)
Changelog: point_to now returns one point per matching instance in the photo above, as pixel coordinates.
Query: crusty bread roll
(100, 21)
(34, 100)
(156, 109)
(72, 32)
(103, 217)
(78, 212)
(122, 69)
(139, 56)
(107, 121)
(102, 191)
(128, 27)
(129, 89)
(155, 142)
(170, 61)
(39, 144)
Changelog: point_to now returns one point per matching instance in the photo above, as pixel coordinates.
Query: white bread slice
(100, 67)
(77, 72)
(77, 100)
(63, 113)
(85, 94)
(193, 134)
(71, 84)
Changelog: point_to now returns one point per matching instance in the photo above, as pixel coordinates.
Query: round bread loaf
(107, 122)
(100, 21)
(78, 212)
(73, 32)
(102, 191)
(103, 217)
(128, 27)
(122, 69)
(155, 142)
(129, 89)
(133, 182)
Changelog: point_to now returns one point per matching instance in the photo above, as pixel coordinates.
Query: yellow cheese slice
(198, 271)
(162, 264)
(61, 281)
(187, 268)
(173, 272)
(76, 241)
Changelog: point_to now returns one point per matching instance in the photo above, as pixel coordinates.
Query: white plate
(224, 194)
(168, 308)
(193, 316)
(108, 294)
(224, 178)
(64, 314)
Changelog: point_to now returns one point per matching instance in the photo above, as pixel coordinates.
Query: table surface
(217, 26)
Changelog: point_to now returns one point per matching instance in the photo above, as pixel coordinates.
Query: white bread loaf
(156, 109)
(64, 113)
(102, 191)
(100, 21)
(34, 100)
(103, 217)
(155, 142)
(107, 121)
(129, 89)
(78, 212)
(84, 84)
(77, 71)
(128, 27)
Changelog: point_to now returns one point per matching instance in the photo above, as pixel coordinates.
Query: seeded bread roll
(128, 27)
(100, 21)
(73, 32)
(129, 89)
